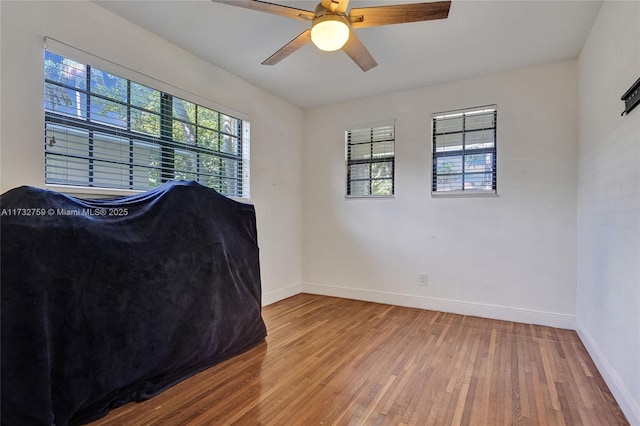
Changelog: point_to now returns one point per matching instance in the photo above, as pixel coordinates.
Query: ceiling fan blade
(276, 9)
(289, 48)
(335, 5)
(356, 51)
(397, 14)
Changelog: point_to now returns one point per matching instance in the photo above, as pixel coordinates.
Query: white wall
(276, 126)
(608, 292)
(511, 257)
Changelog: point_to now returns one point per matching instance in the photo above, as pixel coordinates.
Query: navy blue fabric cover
(110, 301)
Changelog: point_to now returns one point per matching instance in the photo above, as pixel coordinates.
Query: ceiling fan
(332, 26)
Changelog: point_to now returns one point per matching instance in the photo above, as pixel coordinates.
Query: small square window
(464, 152)
(370, 155)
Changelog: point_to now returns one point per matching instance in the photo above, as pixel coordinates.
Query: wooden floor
(330, 361)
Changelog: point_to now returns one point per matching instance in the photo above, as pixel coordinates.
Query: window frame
(234, 184)
(463, 152)
(349, 161)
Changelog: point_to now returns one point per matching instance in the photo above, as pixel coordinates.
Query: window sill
(369, 197)
(92, 192)
(463, 194)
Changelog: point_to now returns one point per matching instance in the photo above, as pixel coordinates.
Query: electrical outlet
(422, 279)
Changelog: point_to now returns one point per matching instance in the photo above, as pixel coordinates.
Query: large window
(106, 131)
(370, 161)
(464, 151)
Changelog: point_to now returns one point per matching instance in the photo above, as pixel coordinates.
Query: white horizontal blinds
(106, 131)
(371, 161)
(464, 151)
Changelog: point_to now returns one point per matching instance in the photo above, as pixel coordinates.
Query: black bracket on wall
(631, 97)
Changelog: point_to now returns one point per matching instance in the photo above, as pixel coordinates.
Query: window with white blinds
(107, 131)
(370, 158)
(464, 152)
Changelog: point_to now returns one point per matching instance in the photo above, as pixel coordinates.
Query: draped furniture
(110, 301)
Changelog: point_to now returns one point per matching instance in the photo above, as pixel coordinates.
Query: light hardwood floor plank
(331, 361)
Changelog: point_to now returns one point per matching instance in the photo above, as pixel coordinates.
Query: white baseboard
(282, 293)
(444, 305)
(628, 405)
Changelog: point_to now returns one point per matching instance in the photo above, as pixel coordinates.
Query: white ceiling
(478, 38)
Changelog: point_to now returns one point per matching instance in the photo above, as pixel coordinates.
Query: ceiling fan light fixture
(330, 32)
